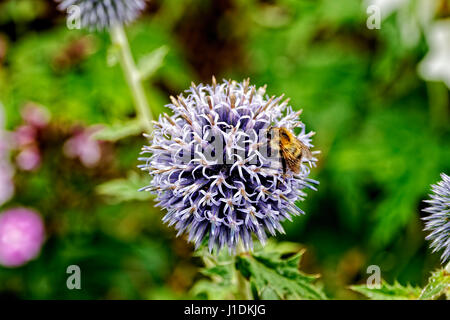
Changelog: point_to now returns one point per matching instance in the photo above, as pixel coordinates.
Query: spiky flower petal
(439, 220)
(103, 14)
(214, 169)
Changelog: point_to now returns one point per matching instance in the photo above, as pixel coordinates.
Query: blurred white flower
(413, 16)
(6, 170)
(436, 64)
(422, 10)
(386, 6)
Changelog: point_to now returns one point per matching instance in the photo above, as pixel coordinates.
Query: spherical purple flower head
(214, 170)
(103, 14)
(439, 220)
(21, 236)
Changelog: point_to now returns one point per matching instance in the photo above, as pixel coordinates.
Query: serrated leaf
(274, 278)
(281, 248)
(438, 285)
(220, 286)
(212, 290)
(151, 62)
(119, 131)
(120, 190)
(388, 292)
(222, 271)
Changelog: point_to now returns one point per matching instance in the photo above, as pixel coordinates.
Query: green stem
(243, 286)
(438, 102)
(132, 76)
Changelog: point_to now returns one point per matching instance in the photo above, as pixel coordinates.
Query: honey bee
(291, 149)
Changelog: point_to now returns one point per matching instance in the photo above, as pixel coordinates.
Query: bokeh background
(377, 98)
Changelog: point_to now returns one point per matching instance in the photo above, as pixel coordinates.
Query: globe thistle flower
(214, 168)
(103, 14)
(21, 236)
(439, 220)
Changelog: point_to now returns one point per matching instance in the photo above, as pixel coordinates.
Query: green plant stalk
(438, 102)
(243, 286)
(132, 76)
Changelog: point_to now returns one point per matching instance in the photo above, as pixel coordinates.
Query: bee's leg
(284, 165)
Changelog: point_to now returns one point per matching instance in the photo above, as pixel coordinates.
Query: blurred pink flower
(29, 158)
(35, 115)
(24, 135)
(21, 236)
(85, 147)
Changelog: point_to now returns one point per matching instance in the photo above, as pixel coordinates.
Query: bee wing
(295, 154)
(293, 161)
(306, 153)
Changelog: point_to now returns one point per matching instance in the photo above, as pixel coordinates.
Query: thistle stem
(438, 102)
(243, 286)
(132, 76)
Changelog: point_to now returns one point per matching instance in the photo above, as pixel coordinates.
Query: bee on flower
(227, 165)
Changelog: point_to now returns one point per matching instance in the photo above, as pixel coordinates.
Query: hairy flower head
(214, 169)
(103, 14)
(438, 222)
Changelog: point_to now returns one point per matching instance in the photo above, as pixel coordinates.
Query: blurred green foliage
(383, 133)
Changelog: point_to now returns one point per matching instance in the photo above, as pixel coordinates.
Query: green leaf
(388, 292)
(281, 248)
(222, 271)
(119, 131)
(120, 190)
(274, 278)
(438, 284)
(151, 62)
(221, 285)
